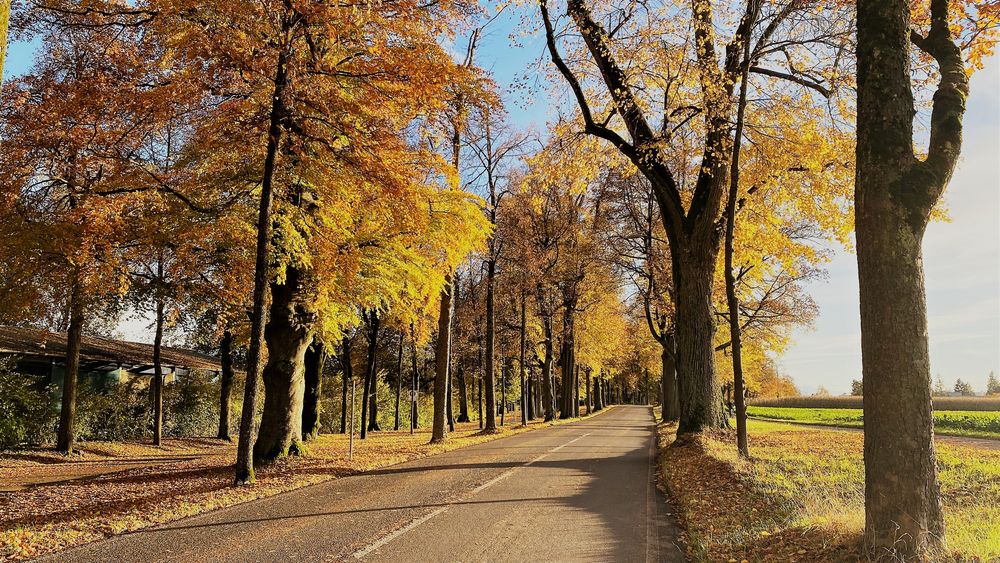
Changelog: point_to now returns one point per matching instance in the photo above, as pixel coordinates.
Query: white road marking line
(362, 552)
(418, 521)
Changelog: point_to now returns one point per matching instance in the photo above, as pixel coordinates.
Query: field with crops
(974, 423)
(854, 402)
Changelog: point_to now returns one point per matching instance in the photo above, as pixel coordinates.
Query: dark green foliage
(27, 415)
(124, 411)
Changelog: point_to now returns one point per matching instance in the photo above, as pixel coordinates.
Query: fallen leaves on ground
(801, 495)
(182, 478)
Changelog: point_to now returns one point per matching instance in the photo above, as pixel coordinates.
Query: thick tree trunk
(288, 334)
(369, 399)
(700, 401)
(590, 399)
(225, 384)
(315, 359)
(894, 195)
(245, 447)
(567, 363)
(489, 379)
(345, 380)
(902, 501)
(66, 436)
(671, 408)
(442, 352)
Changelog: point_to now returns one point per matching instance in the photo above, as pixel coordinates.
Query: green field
(980, 424)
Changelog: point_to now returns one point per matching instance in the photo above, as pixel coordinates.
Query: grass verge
(973, 424)
(801, 495)
(48, 518)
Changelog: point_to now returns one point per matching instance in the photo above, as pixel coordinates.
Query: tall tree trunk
(399, 381)
(288, 334)
(504, 374)
(671, 409)
(414, 411)
(567, 365)
(315, 359)
(700, 401)
(548, 392)
(463, 395)
(520, 365)
(450, 394)
(66, 436)
(530, 394)
(576, 391)
(158, 370)
(489, 378)
(732, 301)
(225, 384)
(244, 451)
(894, 195)
(345, 379)
(538, 396)
(590, 398)
(442, 352)
(369, 401)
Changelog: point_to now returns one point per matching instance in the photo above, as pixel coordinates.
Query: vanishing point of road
(583, 491)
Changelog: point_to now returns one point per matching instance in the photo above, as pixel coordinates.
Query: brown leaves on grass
(730, 517)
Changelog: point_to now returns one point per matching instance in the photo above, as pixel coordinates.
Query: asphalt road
(577, 492)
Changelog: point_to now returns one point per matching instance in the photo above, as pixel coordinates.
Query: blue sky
(961, 257)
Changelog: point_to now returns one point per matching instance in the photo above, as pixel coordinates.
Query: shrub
(113, 412)
(124, 411)
(26, 413)
(191, 406)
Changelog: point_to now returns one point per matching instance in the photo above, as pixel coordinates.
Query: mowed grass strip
(977, 424)
(801, 495)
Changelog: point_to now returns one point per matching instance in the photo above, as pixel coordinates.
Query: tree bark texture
(894, 194)
(671, 409)
(315, 360)
(442, 352)
(66, 435)
(245, 446)
(369, 399)
(288, 334)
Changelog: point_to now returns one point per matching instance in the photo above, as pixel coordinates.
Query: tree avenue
(337, 200)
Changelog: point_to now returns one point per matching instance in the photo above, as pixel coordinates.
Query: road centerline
(384, 540)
